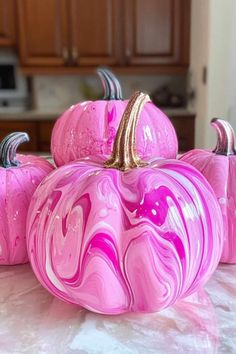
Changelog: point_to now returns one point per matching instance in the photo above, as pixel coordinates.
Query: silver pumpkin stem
(225, 137)
(8, 148)
(111, 85)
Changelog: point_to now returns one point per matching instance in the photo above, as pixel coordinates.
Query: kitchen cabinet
(132, 36)
(43, 32)
(68, 32)
(185, 128)
(7, 23)
(7, 127)
(44, 134)
(95, 29)
(39, 132)
(156, 32)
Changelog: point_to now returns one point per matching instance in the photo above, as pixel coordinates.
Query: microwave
(13, 85)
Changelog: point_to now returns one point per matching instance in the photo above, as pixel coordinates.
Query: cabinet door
(7, 127)
(7, 22)
(95, 31)
(44, 135)
(185, 130)
(43, 32)
(155, 32)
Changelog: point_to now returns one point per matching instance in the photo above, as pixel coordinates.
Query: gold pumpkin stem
(124, 155)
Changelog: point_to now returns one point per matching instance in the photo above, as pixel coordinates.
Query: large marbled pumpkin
(219, 168)
(89, 128)
(19, 177)
(123, 235)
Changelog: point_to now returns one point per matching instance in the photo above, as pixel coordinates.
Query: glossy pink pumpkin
(219, 168)
(89, 128)
(19, 177)
(124, 235)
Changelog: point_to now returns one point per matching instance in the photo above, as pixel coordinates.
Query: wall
(199, 60)
(231, 93)
(213, 44)
(56, 93)
(222, 74)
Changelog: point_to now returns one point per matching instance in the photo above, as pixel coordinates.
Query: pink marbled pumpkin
(19, 177)
(219, 168)
(89, 128)
(123, 235)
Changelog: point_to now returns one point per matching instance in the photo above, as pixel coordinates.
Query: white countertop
(33, 321)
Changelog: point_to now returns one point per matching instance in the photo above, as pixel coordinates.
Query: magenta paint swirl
(17, 185)
(115, 242)
(89, 129)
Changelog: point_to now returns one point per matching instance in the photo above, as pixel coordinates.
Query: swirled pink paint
(220, 171)
(17, 185)
(115, 242)
(219, 168)
(89, 129)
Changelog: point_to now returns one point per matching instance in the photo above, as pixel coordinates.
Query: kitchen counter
(52, 115)
(33, 321)
(29, 115)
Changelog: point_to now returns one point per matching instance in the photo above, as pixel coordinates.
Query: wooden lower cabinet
(44, 135)
(185, 129)
(7, 127)
(40, 132)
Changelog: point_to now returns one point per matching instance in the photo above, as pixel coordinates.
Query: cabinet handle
(65, 54)
(127, 55)
(75, 55)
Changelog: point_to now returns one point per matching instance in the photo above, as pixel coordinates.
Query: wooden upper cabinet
(95, 31)
(85, 33)
(155, 32)
(43, 30)
(7, 22)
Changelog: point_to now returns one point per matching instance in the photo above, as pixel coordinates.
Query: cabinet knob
(75, 55)
(65, 54)
(127, 55)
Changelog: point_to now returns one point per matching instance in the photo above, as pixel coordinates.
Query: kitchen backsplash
(55, 93)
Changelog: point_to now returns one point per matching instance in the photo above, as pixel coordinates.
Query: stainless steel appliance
(13, 85)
